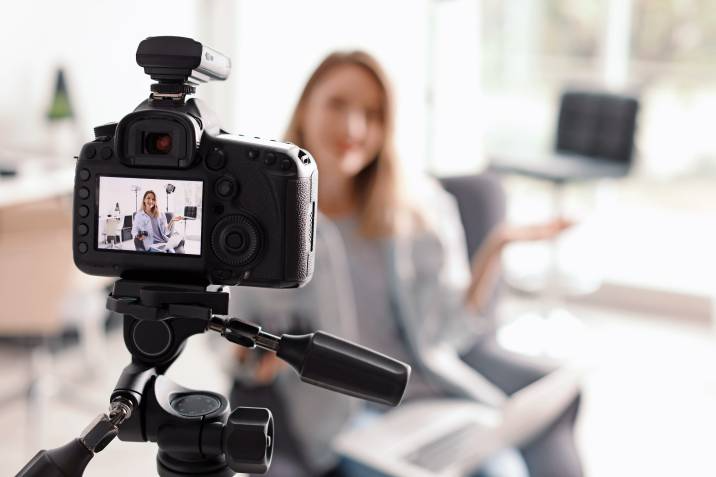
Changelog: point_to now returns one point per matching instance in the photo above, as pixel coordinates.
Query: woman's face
(343, 122)
(149, 202)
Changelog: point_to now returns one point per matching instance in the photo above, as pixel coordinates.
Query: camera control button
(83, 193)
(253, 154)
(235, 241)
(84, 174)
(82, 247)
(90, 152)
(285, 164)
(83, 229)
(226, 187)
(270, 159)
(216, 159)
(106, 152)
(83, 211)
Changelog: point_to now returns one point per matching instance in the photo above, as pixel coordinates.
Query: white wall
(274, 45)
(280, 42)
(457, 114)
(95, 40)
(114, 190)
(430, 50)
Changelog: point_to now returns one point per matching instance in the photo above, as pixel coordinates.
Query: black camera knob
(216, 159)
(236, 240)
(247, 440)
(226, 187)
(105, 130)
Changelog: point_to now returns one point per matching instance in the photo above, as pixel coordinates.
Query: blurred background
(479, 85)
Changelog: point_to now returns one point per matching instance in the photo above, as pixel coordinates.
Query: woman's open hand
(486, 260)
(543, 231)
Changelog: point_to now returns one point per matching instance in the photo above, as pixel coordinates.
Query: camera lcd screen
(148, 215)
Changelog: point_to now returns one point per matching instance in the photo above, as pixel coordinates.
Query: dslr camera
(167, 194)
(170, 203)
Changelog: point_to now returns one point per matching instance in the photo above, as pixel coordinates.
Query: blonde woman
(391, 271)
(150, 228)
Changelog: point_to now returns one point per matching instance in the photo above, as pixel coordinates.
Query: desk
(34, 182)
(36, 248)
(113, 229)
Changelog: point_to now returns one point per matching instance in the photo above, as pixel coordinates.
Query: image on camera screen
(149, 215)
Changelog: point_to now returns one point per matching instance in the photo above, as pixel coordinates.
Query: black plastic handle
(69, 460)
(332, 363)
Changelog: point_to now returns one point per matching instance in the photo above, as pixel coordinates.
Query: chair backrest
(126, 234)
(112, 226)
(138, 244)
(190, 211)
(483, 205)
(598, 125)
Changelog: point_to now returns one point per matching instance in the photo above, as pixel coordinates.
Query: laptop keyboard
(439, 453)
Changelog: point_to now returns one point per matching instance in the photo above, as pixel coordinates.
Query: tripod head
(196, 432)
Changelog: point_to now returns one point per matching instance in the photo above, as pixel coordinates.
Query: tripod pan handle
(69, 460)
(332, 363)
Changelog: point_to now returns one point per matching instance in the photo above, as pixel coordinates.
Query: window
(661, 49)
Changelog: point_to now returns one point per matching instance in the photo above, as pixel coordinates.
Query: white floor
(649, 406)
(649, 397)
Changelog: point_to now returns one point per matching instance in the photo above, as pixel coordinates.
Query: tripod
(196, 432)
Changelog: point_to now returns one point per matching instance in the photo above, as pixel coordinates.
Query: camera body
(239, 210)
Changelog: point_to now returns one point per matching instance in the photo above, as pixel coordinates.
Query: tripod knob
(248, 440)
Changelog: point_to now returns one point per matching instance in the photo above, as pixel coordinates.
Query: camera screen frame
(159, 192)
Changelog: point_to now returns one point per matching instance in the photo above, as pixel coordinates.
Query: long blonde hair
(381, 196)
(155, 209)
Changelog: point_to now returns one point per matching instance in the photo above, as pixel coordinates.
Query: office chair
(126, 228)
(482, 204)
(594, 140)
(190, 212)
(138, 244)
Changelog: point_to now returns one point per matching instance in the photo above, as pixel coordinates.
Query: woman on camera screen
(150, 228)
(391, 273)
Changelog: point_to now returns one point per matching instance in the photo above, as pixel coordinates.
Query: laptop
(454, 437)
(172, 242)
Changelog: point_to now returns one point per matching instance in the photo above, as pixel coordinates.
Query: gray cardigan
(429, 275)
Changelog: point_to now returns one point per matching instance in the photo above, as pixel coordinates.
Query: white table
(35, 182)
